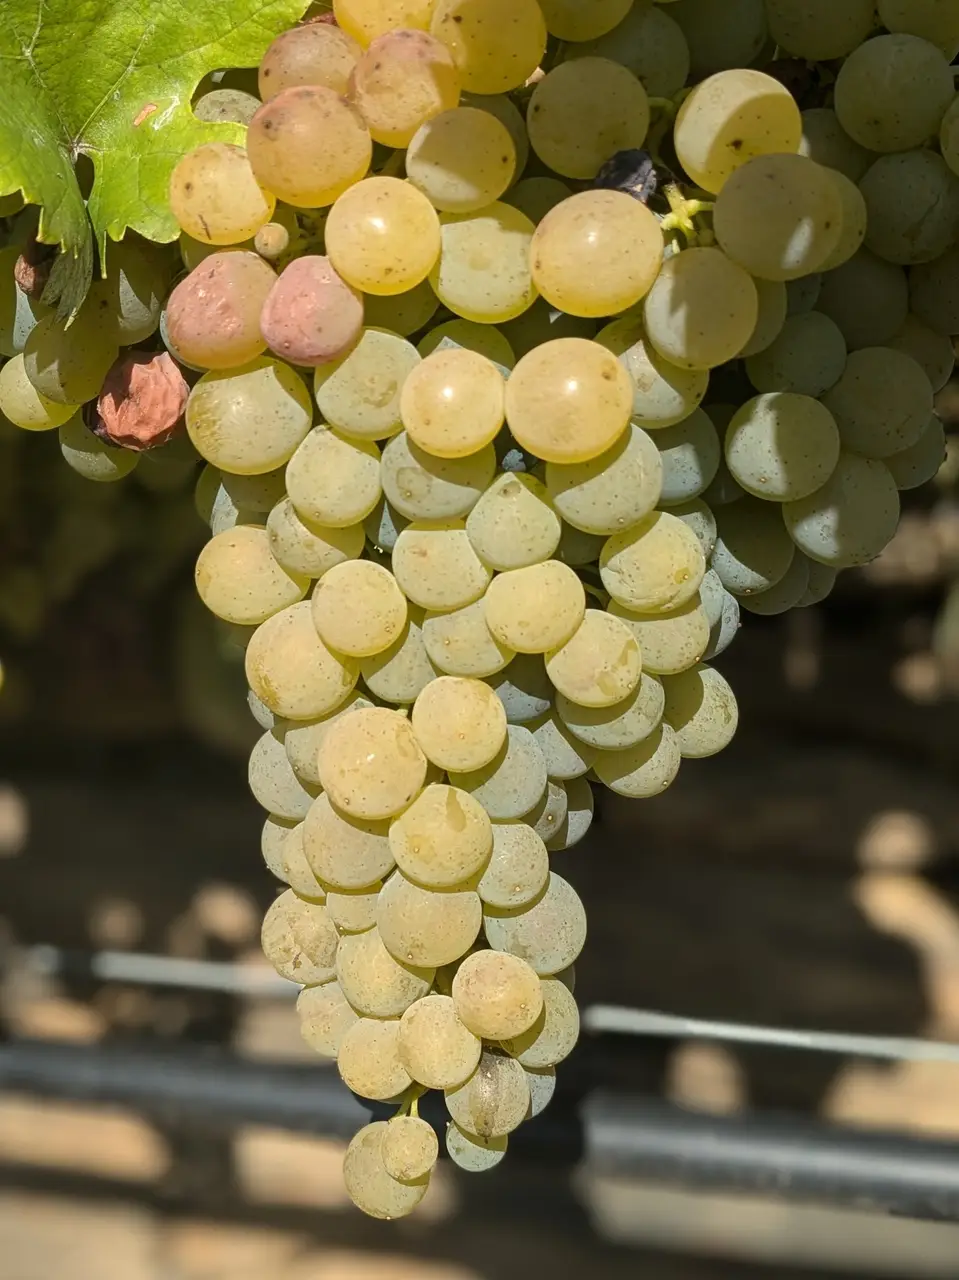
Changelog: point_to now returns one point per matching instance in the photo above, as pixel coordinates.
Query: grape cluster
(526, 342)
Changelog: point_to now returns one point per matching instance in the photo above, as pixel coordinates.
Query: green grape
(644, 770)
(383, 236)
(443, 838)
(497, 995)
(461, 160)
(882, 402)
(663, 393)
(703, 308)
(892, 92)
(481, 338)
(291, 669)
(726, 627)
(622, 725)
(359, 394)
(596, 253)
(410, 1149)
(403, 80)
(535, 609)
(215, 196)
(569, 400)
(325, 1017)
(502, 107)
(785, 595)
(826, 141)
(299, 940)
(669, 642)
(565, 757)
(822, 579)
(251, 420)
(523, 688)
(572, 20)
(368, 1184)
(542, 323)
(302, 738)
(778, 216)
(730, 118)
(773, 303)
(689, 455)
(69, 365)
(274, 784)
(332, 480)
(298, 873)
(854, 219)
(518, 868)
(547, 819)
(90, 457)
(535, 196)
(423, 487)
(400, 673)
(851, 518)
(345, 853)
(715, 46)
(933, 294)
(919, 463)
(934, 21)
(782, 446)
(932, 351)
(949, 137)
(584, 111)
(459, 723)
(867, 298)
(701, 710)
(453, 403)
(599, 665)
(819, 30)
(753, 550)
(483, 273)
(513, 782)
(369, 1064)
(698, 517)
(364, 20)
(226, 106)
(284, 157)
(548, 934)
(436, 566)
(803, 294)
(514, 524)
(135, 286)
(427, 927)
(376, 984)
(808, 357)
(496, 46)
(371, 765)
(577, 548)
(654, 566)
(912, 201)
(238, 579)
(459, 643)
(436, 1048)
(472, 1153)
(650, 44)
(553, 1035)
(494, 1101)
(358, 609)
(302, 546)
(402, 313)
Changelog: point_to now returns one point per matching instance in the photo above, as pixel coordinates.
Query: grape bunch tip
(443, 334)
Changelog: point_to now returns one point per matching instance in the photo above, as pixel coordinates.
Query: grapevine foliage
(113, 80)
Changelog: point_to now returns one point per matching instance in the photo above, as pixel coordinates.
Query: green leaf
(113, 80)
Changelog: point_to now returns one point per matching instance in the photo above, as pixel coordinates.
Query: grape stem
(410, 1106)
(682, 215)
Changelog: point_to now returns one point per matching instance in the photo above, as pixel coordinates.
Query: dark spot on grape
(457, 17)
(504, 159)
(377, 66)
(737, 144)
(607, 375)
(188, 187)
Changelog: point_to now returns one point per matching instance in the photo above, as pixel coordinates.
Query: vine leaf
(113, 80)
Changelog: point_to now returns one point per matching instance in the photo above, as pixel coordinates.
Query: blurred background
(806, 878)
